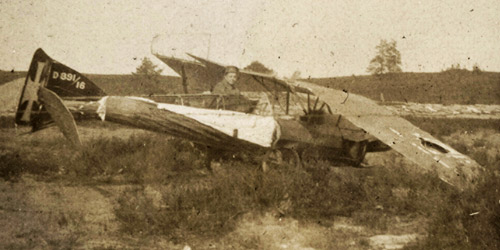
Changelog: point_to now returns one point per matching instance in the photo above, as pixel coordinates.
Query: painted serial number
(70, 77)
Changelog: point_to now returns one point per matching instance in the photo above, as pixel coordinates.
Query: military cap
(231, 69)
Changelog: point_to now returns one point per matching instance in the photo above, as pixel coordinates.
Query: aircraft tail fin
(57, 77)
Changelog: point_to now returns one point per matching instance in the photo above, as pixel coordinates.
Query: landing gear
(352, 153)
(355, 152)
(281, 157)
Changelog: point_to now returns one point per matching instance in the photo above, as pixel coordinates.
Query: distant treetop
(387, 60)
(147, 69)
(256, 66)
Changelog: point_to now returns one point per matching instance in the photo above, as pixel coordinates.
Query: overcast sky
(317, 38)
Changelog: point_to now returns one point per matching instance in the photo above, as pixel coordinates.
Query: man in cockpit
(227, 85)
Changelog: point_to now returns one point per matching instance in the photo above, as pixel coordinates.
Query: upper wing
(196, 74)
(250, 78)
(203, 72)
(412, 142)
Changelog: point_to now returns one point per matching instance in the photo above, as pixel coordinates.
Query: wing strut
(184, 79)
(287, 101)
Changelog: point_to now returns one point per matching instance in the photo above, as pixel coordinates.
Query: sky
(317, 38)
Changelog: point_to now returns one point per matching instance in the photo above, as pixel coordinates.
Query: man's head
(231, 74)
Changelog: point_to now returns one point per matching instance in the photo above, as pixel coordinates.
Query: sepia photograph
(218, 124)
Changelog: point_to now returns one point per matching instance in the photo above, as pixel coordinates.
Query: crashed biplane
(312, 121)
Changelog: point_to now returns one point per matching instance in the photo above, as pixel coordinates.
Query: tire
(356, 152)
(280, 158)
(291, 158)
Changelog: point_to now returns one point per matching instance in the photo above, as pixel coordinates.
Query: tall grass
(139, 159)
(191, 202)
(369, 196)
(470, 219)
(211, 207)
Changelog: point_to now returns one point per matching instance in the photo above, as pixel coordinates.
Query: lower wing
(412, 142)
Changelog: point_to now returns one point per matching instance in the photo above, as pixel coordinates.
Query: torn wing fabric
(415, 144)
(101, 110)
(252, 128)
(212, 127)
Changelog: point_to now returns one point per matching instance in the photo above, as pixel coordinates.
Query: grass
(7, 76)
(453, 87)
(26, 225)
(371, 197)
(320, 194)
(441, 127)
(139, 159)
(469, 220)
(173, 196)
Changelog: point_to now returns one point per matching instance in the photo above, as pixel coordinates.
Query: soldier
(226, 86)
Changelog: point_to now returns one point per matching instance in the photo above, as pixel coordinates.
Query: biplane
(281, 120)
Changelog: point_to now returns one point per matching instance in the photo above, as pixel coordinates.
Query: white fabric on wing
(101, 110)
(252, 128)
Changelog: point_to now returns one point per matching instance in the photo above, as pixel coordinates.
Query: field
(449, 87)
(130, 189)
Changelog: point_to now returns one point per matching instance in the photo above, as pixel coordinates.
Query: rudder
(55, 76)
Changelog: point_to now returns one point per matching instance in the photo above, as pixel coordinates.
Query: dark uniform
(224, 88)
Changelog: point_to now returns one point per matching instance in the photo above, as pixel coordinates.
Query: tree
(296, 75)
(148, 71)
(387, 60)
(256, 66)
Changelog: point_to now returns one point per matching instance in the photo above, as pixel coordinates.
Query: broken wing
(415, 144)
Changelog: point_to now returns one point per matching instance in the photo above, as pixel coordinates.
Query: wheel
(272, 158)
(356, 152)
(291, 158)
(310, 155)
(280, 158)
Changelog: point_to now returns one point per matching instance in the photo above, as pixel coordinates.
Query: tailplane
(57, 77)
